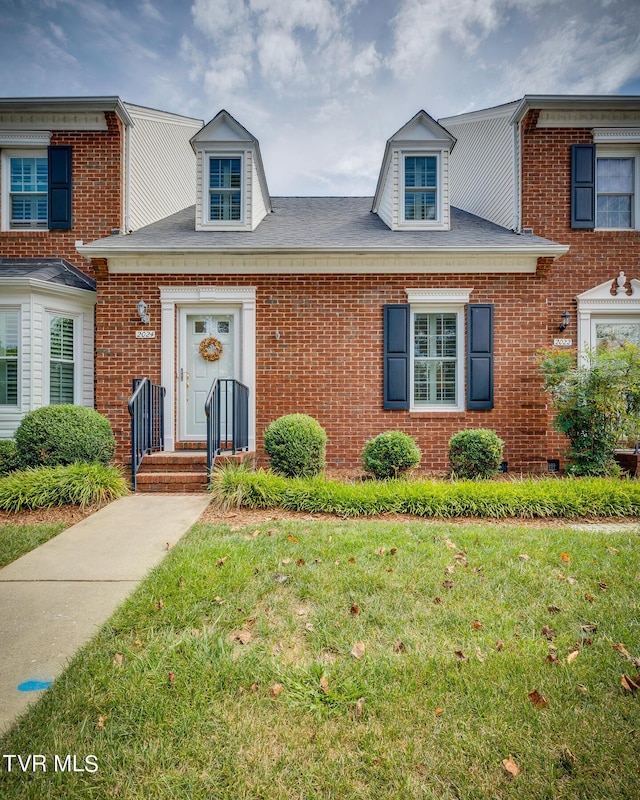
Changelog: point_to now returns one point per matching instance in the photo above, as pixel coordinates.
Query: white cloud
(280, 57)
(147, 9)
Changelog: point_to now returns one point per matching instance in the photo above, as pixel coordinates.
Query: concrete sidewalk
(54, 599)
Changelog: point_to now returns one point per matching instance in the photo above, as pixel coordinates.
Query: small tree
(597, 402)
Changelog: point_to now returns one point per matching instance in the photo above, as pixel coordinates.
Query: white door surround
(175, 298)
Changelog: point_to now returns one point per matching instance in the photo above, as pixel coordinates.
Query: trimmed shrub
(390, 454)
(296, 445)
(9, 458)
(475, 453)
(85, 485)
(64, 434)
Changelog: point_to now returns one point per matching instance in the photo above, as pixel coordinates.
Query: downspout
(517, 179)
(127, 178)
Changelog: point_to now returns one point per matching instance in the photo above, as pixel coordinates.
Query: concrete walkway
(54, 599)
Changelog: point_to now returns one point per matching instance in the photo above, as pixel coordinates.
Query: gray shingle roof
(321, 224)
(51, 270)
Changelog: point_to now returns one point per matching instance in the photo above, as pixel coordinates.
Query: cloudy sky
(321, 83)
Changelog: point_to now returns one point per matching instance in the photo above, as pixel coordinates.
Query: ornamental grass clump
(64, 434)
(296, 445)
(390, 454)
(475, 453)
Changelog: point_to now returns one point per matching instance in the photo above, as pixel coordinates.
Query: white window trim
(18, 404)
(599, 305)
(438, 222)
(5, 182)
(622, 151)
(223, 224)
(433, 301)
(78, 371)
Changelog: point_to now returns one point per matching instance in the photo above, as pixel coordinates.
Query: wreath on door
(211, 348)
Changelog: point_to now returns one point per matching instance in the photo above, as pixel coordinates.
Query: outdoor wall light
(566, 318)
(142, 312)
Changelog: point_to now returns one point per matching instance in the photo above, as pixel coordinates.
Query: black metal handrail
(227, 412)
(146, 409)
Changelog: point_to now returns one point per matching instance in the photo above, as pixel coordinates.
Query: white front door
(196, 373)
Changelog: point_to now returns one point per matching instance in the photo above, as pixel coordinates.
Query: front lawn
(348, 660)
(18, 539)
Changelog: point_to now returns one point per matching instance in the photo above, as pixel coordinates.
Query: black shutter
(396, 356)
(479, 356)
(583, 185)
(59, 188)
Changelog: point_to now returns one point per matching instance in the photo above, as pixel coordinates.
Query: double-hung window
(62, 359)
(9, 336)
(615, 191)
(28, 179)
(421, 188)
(436, 339)
(225, 189)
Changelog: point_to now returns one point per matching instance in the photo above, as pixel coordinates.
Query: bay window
(62, 371)
(9, 337)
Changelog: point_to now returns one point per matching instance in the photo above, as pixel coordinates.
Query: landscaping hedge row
(528, 498)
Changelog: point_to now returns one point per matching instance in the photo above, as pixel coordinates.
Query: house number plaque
(145, 334)
(562, 342)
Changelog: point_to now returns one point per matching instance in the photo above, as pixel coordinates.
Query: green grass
(173, 705)
(16, 540)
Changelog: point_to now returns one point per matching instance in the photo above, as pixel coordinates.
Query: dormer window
(412, 192)
(420, 188)
(225, 189)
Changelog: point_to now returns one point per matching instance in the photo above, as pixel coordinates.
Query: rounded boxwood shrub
(475, 453)
(296, 445)
(390, 454)
(64, 434)
(9, 458)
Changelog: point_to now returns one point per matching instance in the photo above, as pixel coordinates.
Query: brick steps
(178, 472)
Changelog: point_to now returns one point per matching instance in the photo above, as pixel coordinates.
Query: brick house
(420, 309)
(72, 170)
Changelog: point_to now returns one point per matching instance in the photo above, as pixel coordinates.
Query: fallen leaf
(138, 642)
(254, 687)
(355, 609)
(537, 699)
(553, 609)
(243, 636)
(568, 756)
(172, 677)
(118, 660)
(622, 650)
(324, 684)
(630, 684)
(280, 578)
(308, 627)
(393, 551)
(169, 545)
(499, 645)
(510, 765)
(603, 587)
(451, 545)
(447, 584)
(276, 690)
(572, 656)
(160, 604)
(100, 722)
(359, 707)
(291, 538)
(219, 600)
(589, 628)
(552, 658)
(286, 561)
(357, 651)
(437, 601)
(548, 631)
(399, 647)
(438, 712)
(460, 656)
(477, 625)
(450, 569)
(380, 551)
(352, 560)
(565, 557)
(479, 655)
(612, 550)
(524, 557)
(589, 597)
(571, 580)
(220, 561)
(582, 688)
(300, 562)
(181, 582)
